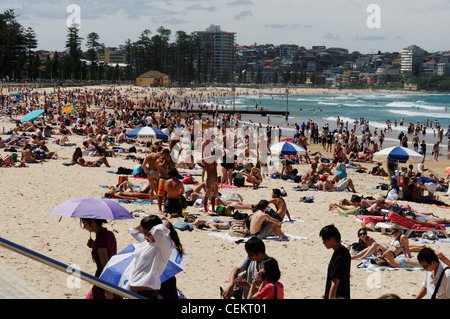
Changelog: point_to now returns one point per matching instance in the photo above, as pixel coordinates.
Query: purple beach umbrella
(92, 208)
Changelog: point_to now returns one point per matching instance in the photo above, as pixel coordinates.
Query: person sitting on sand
(261, 225)
(7, 161)
(342, 185)
(280, 204)
(399, 244)
(28, 156)
(254, 177)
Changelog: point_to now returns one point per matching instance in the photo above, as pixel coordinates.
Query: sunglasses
(360, 234)
(394, 232)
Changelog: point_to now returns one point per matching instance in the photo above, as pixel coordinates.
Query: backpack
(237, 231)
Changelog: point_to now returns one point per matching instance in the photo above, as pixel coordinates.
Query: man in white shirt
(434, 269)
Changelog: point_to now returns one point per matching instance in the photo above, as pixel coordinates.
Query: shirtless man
(163, 164)
(280, 204)
(174, 188)
(209, 165)
(149, 167)
(262, 225)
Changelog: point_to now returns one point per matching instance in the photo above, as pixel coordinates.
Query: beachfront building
(153, 78)
(113, 56)
(411, 59)
(443, 69)
(428, 69)
(217, 53)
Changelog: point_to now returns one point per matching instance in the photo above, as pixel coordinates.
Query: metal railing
(63, 267)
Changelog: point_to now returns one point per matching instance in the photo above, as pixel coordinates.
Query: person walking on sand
(103, 247)
(338, 274)
(209, 166)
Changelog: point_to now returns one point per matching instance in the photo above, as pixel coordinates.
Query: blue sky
(332, 23)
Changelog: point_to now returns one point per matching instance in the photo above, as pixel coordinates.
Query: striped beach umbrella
(147, 132)
(287, 148)
(397, 154)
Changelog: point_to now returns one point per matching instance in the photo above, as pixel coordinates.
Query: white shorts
(342, 185)
(431, 187)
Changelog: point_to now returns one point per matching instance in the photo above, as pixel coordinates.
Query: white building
(411, 59)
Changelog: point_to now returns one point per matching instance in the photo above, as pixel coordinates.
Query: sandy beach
(30, 193)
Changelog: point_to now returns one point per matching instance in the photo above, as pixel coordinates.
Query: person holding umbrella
(102, 249)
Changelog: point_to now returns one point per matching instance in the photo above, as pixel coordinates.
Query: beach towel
(402, 221)
(136, 201)
(367, 264)
(244, 239)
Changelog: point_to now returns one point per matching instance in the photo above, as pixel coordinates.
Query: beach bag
(124, 171)
(223, 210)
(362, 211)
(393, 194)
(183, 226)
(358, 246)
(188, 179)
(239, 216)
(237, 231)
(239, 182)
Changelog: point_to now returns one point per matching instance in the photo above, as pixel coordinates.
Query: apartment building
(218, 51)
(411, 59)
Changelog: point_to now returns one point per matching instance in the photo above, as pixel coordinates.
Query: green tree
(93, 45)
(73, 45)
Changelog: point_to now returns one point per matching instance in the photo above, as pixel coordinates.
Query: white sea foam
(429, 115)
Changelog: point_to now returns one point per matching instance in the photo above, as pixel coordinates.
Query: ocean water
(377, 108)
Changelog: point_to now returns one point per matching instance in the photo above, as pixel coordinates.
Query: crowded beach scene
(152, 187)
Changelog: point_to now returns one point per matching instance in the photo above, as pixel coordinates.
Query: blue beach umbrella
(32, 115)
(18, 95)
(397, 154)
(147, 132)
(117, 270)
(287, 148)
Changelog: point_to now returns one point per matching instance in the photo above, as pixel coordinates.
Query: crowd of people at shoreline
(104, 116)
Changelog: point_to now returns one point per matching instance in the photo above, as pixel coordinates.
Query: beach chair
(410, 227)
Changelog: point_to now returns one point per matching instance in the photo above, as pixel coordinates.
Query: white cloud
(306, 23)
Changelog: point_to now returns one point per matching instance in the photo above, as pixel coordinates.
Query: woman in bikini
(254, 177)
(399, 244)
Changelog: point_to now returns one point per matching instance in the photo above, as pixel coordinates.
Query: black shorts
(173, 206)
